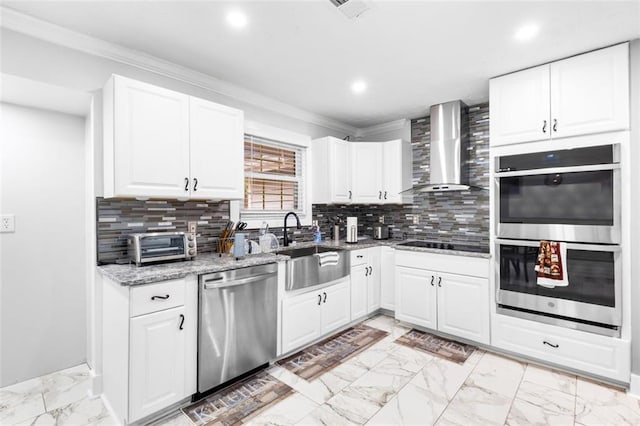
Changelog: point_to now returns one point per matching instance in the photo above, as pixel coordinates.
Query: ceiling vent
(351, 8)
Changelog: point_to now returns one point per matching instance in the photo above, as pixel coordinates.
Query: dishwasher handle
(220, 283)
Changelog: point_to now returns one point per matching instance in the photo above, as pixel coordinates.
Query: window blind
(274, 177)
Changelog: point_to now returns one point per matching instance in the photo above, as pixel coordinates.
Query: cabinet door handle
(555, 125)
(195, 184)
(319, 299)
(349, 194)
(359, 256)
(370, 270)
(439, 281)
(181, 322)
(385, 195)
(544, 126)
(186, 184)
(550, 344)
(379, 195)
(160, 297)
(432, 278)
(325, 297)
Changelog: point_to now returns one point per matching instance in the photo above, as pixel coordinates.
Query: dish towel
(551, 266)
(330, 258)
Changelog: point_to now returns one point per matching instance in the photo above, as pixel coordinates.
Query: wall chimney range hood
(448, 148)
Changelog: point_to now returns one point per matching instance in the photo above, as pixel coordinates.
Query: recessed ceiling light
(359, 86)
(237, 19)
(527, 32)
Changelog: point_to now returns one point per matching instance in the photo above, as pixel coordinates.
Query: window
(274, 179)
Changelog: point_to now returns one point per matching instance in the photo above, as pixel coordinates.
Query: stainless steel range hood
(448, 148)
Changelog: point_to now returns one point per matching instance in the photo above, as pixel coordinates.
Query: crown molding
(52, 33)
(381, 128)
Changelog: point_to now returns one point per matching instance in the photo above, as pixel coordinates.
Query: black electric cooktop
(445, 246)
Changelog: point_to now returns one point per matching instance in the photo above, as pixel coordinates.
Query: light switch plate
(7, 223)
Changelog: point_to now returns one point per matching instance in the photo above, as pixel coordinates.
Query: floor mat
(447, 349)
(323, 356)
(239, 401)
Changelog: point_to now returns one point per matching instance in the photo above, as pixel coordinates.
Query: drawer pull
(550, 344)
(160, 297)
(181, 321)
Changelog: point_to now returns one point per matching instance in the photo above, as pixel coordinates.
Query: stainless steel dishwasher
(237, 324)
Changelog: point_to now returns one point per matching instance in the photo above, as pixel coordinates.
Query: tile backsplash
(460, 216)
(119, 217)
(456, 216)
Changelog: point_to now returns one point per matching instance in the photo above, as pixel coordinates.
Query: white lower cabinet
(157, 361)
(308, 316)
(365, 281)
(149, 346)
(578, 350)
(428, 294)
(387, 278)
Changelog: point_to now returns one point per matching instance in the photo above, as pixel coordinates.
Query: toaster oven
(153, 247)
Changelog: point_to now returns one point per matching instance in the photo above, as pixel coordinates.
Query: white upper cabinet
(590, 92)
(581, 95)
(361, 172)
(519, 106)
(217, 151)
(366, 172)
(158, 143)
(146, 146)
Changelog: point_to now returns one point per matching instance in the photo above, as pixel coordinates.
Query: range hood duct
(448, 148)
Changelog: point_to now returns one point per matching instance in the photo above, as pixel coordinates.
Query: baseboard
(634, 385)
(95, 389)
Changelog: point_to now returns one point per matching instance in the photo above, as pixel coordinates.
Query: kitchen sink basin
(305, 268)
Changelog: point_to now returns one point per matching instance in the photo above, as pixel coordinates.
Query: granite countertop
(207, 263)
(370, 242)
(203, 264)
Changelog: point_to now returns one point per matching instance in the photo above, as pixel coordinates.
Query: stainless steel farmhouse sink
(311, 266)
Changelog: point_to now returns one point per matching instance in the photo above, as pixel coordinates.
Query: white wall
(42, 270)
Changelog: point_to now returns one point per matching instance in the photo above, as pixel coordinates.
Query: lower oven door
(592, 298)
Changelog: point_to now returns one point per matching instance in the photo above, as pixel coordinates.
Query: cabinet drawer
(156, 297)
(359, 257)
(598, 355)
(461, 265)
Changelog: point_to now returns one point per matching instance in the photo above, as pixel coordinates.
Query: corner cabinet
(442, 292)
(149, 346)
(581, 95)
(159, 143)
(308, 316)
(361, 172)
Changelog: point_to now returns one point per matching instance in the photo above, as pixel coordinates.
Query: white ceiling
(412, 54)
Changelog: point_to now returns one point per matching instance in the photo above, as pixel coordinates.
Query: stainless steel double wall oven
(573, 196)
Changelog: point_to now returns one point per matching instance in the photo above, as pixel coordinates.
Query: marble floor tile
(371, 357)
(355, 408)
(318, 390)
(21, 401)
(553, 379)
(377, 387)
(83, 412)
(539, 404)
(287, 412)
(442, 378)
(176, 419)
(474, 405)
(401, 363)
(66, 386)
(382, 322)
(598, 404)
(325, 415)
(413, 405)
(497, 374)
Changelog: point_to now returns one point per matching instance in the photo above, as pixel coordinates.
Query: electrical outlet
(416, 219)
(381, 219)
(7, 223)
(192, 227)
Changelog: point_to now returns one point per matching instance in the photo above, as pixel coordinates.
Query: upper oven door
(565, 195)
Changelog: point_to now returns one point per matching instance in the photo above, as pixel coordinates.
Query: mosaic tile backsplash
(461, 217)
(457, 216)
